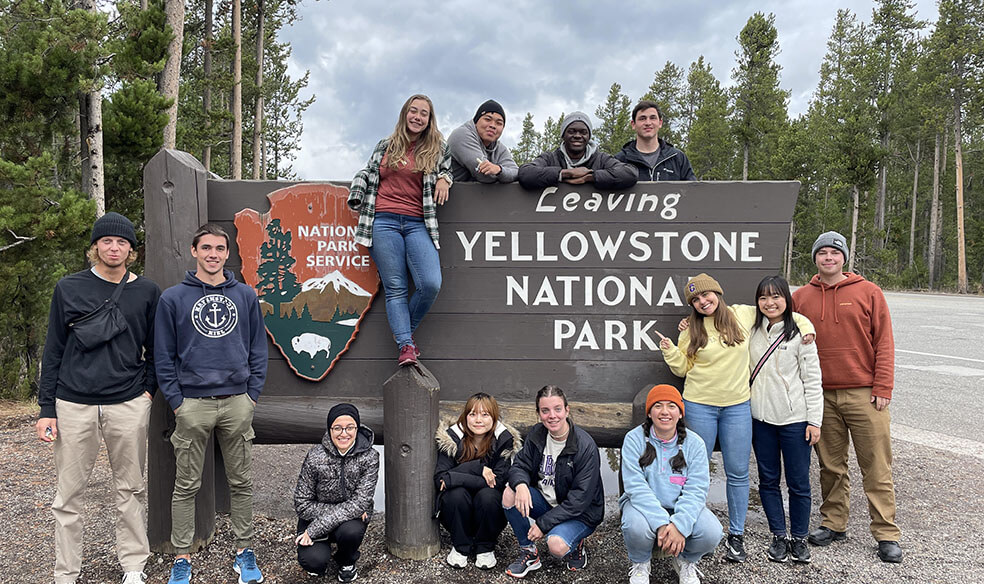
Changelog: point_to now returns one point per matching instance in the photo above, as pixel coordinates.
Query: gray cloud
(367, 57)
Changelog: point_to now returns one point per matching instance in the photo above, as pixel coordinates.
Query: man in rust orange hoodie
(857, 358)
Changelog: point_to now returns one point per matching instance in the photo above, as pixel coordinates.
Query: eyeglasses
(344, 429)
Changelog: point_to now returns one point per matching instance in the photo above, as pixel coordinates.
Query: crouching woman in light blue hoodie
(665, 474)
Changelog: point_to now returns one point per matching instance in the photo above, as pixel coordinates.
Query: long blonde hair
(427, 153)
(724, 321)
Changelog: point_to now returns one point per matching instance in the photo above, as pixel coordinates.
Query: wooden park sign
(564, 286)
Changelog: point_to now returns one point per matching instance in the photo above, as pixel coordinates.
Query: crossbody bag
(102, 324)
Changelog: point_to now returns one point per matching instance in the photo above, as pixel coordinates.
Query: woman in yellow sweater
(713, 357)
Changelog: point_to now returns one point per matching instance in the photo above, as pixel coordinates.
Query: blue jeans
(640, 538)
(571, 531)
(777, 447)
(733, 425)
(400, 244)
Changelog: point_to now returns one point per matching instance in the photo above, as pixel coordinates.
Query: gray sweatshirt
(468, 150)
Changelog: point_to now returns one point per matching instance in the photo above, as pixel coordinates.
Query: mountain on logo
(325, 295)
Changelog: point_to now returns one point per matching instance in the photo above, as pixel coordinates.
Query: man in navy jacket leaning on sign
(654, 158)
(211, 355)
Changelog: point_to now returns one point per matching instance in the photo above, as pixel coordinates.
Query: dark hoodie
(209, 340)
(672, 163)
(333, 488)
(854, 333)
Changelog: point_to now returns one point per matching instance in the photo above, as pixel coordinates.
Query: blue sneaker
(245, 566)
(180, 572)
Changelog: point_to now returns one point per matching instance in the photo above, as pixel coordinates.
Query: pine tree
(615, 114)
(667, 90)
(277, 282)
(528, 146)
(710, 146)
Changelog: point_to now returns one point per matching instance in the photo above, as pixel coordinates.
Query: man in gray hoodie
(476, 153)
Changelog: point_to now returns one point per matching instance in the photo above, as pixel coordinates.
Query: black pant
(347, 537)
(474, 519)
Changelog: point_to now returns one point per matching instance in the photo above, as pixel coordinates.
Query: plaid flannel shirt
(362, 193)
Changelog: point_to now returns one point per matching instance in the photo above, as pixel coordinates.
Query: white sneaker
(457, 560)
(485, 560)
(639, 573)
(134, 578)
(687, 571)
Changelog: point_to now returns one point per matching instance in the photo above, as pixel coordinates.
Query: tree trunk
(207, 93)
(174, 13)
(958, 164)
(91, 138)
(744, 163)
(258, 106)
(854, 226)
(263, 156)
(882, 187)
(934, 215)
(789, 250)
(236, 146)
(912, 222)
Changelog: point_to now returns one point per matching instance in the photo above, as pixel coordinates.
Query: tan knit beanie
(701, 283)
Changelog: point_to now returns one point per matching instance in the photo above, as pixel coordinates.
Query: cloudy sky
(367, 56)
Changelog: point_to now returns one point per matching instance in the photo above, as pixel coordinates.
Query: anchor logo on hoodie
(214, 316)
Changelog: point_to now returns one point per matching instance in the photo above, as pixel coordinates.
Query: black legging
(474, 520)
(347, 537)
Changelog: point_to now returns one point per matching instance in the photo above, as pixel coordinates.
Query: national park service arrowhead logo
(314, 283)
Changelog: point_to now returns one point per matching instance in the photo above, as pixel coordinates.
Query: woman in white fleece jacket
(787, 409)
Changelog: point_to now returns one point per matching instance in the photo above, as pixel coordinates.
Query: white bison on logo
(311, 344)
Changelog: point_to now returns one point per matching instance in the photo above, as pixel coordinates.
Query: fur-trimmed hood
(449, 435)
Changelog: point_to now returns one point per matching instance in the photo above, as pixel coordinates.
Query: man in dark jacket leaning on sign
(577, 161)
(654, 158)
(98, 389)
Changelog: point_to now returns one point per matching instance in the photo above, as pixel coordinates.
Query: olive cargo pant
(231, 418)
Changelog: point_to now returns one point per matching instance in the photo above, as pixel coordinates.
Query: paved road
(939, 370)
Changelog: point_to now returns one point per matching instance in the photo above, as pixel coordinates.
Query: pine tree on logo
(277, 282)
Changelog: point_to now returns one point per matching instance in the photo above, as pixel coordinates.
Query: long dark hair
(477, 447)
(677, 463)
(769, 286)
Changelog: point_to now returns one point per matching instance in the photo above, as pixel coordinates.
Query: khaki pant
(850, 412)
(231, 419)
(123, 427)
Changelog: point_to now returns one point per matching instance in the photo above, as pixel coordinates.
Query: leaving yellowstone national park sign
(314, 283)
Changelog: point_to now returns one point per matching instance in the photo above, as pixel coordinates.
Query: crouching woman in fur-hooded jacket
(665, 473)
(473, 456)
(334, 493)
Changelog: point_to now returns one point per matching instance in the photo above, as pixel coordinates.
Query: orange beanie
(663, 392)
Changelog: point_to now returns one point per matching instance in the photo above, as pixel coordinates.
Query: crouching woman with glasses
(334, 493)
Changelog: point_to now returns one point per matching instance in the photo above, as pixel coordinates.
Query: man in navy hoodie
(211, 355)
(654, 158)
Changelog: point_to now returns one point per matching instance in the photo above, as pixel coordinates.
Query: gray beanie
(831, 239)
(576, 117)
(113, 225)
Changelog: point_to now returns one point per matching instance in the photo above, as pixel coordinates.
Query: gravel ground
(939, 511)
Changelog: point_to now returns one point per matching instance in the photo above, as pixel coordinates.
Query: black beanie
(113, 225)
(490, 107)
(343, 409)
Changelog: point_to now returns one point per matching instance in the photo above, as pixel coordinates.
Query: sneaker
(779, 549)
(134, 578)
(686, 571)
(577, 558)
(456, 559)
(245, 566)
(890, 551)
(528, 561)
(824, 536)
(639, 573)
(799, 550)
(485, 560)
(180, 572)
(408, 355)
(347, 574)
(736, 548)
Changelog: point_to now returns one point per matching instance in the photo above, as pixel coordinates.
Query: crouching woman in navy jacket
(334, 492)
(556, 481)
(473, 457)
(665, 474)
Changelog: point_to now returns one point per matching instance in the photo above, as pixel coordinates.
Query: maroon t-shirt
(401, 190)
